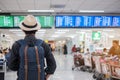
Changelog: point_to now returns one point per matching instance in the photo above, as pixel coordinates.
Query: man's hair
(87, 49)
(30, 32)
(104, 49)
(116, 41)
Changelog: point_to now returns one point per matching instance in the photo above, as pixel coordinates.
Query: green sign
(17, 20)
(6, 21)
(45, 21)
(14, 21)
(96, 35)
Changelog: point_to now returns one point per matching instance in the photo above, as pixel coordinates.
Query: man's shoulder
(40, 41)
(119, 48)
(18, 42)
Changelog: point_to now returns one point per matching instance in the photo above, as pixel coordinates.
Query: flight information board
(86, 21)
(45, 21)
(65, 21)
(74, 21)
(103, 21)
(6, 21)
(116, 21)
(81, 21)
(17, 20)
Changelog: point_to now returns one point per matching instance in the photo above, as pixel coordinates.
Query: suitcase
(2, 69)
(2, 76)
(1, 64)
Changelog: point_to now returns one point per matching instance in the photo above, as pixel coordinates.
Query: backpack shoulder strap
(38, 62)
(39, 42)
(26, 63)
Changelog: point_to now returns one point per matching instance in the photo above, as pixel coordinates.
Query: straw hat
(29, 24)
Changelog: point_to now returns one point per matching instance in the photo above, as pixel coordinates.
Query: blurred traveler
(2, 58)
(1, 55)
(5, 51)
(9, 49)
(65, 49)
(115, 49)
(105, 51)
(74, 49)
(78, 49)
(27, 55)
(50, 46)
(1, 50)
(87, 51)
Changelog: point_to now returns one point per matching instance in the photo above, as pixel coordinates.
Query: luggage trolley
(88, 63)
(106, 71)
(103, 69)
(97, 74)
(115, 70)
(2, 67)
(78, 61)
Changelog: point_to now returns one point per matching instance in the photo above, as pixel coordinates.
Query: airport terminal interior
(82, 35)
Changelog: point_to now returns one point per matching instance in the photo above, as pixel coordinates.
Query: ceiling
(109, 6)
(72, 6)
(59, 34)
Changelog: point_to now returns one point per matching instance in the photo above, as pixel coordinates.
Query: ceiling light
(15, 30)
(79, 32)
(20, 32)
(55, 36)
(86, 30)
(108, 30)
(60, 32)
(8, 40)
(20, 35)
(92, 11)
(42, 30)
(60, 41)
(0, 10)
(51, 39)
(71, 36)
(7, 35)
(40, 10)
(66, 30)
(111, 36)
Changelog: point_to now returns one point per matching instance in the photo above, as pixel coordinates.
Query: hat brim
(29, 29)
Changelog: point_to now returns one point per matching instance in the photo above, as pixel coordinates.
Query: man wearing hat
(27, 55)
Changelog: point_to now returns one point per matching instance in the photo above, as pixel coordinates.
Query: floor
(63, 71)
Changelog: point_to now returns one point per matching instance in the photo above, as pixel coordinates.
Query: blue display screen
(59, 21)
(74, 21)
(81, 21)
(87, 21)
(116, 21)
(107, 21)
(98, 21)
(65, 21)
(103, 21)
